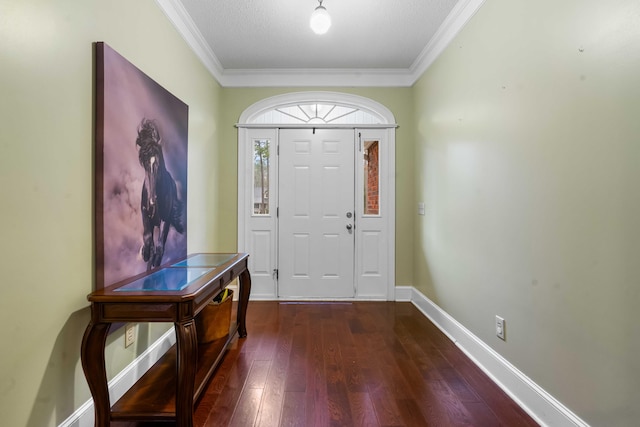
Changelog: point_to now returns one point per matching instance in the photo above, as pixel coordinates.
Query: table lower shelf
(152, 397)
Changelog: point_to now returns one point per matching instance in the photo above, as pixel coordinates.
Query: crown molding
(177, 14)
(293, 77)
(462, 12)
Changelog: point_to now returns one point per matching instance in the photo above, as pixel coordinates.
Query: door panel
(371, 245)
(375, 214)
(257, 203)
(261, 243)
(316, 191)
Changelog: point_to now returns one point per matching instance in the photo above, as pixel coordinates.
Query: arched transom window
(317, 113)
(302, 109)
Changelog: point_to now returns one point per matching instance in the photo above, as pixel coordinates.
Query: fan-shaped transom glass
(317, 113)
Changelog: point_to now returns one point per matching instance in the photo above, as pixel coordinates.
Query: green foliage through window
(261, 177)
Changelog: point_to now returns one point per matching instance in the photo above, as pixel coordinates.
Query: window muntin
(317, 113)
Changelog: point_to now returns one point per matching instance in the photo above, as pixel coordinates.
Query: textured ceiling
(264, 43)
(275, 34)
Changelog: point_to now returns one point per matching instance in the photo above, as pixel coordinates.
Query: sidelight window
(261, 176)
(371, 178)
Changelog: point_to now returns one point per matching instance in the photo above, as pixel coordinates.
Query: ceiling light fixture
(320, 20)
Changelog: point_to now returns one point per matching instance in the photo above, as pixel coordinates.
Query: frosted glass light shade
(320, 20)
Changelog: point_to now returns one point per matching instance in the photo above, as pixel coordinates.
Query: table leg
(187, 359)
(243, 302)
(92, 357)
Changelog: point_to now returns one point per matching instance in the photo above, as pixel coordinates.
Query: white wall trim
(84, 415)
(177, 14)
(453, 23)
(540, 405)
(403, 293)
(543, 407)
(462, 12)
(294, 77)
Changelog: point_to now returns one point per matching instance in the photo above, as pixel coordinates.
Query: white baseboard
(403, 293)
(84, 415)
(323, 299)
(540, 405)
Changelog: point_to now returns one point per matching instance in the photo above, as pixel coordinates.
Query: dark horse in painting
(161, 208)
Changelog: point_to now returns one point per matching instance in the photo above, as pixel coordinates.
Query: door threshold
(316, 302)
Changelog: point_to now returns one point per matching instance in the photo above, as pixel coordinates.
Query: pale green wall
(399, 100)
(528, 160)
(46, 157)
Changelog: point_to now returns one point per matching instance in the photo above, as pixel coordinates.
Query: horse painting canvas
(160, 206)
(141, 171)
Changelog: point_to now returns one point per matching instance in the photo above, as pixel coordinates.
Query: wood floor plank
(247, 408)
(397, 384)
(496, 399)
(297, 373)
(258, 374)
(387, 411)
(269, 331)
(363, 413)
(208, 399)
(317, 408)
(337, 398)
(272, 401)
(293, 411)
(271, 406)
(455, 410)
(481, 414)
(349, 364)
(458, 385)
(411, 413)
(228, 398)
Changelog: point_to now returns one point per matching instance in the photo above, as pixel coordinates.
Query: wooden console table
(167, 391)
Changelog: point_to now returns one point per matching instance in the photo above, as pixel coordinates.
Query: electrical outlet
(129, 335)
(500, 328)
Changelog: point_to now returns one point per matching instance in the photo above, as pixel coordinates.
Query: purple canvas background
(130, 96)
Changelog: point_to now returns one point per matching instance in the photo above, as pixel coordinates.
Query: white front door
(316, 213)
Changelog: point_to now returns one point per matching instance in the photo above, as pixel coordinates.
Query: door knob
(349, 227)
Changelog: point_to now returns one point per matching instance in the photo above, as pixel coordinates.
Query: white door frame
(379, 123)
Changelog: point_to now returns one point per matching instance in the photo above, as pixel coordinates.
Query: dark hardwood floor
(349, 364)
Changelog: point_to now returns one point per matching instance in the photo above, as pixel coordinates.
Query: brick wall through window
(371, 179)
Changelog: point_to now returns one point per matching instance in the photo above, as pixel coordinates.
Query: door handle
(349, 227)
